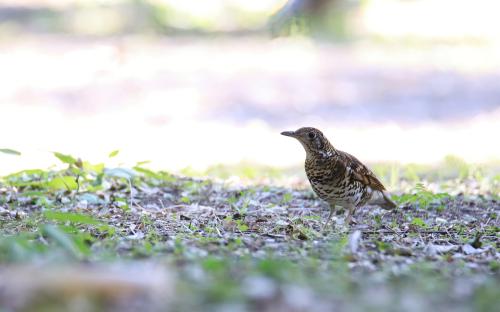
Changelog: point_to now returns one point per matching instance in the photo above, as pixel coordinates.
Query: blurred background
(195, 84)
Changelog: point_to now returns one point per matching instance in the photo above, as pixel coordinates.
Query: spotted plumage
(338, 177)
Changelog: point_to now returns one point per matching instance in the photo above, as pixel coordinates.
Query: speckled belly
(340, 191)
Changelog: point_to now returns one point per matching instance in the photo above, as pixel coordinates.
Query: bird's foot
(329, 225)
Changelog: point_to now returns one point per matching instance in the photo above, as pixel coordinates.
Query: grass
(249, 245)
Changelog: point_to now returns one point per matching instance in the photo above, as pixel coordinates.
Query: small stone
(469, 250)
(65, 200)
(259, 287)
(354, 241)
(432, 250)
(441, 221)
(298, 298)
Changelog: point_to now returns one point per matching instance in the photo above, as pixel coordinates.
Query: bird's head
(312, 139)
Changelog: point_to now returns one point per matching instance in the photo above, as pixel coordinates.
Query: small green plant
(242, 227)
(287, 197)
(418, 222)
(423, 197)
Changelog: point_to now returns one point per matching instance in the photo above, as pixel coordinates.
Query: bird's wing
(360, 172)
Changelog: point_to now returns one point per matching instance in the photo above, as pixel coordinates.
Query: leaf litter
(220, 245)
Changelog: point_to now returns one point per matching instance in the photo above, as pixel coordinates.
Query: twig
(218, 231)
(177, 206)
(406, 232)
(304, 209)
(131, 196)
(187, 228)
(274, 235)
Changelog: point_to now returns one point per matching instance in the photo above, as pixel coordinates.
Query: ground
(124, 239)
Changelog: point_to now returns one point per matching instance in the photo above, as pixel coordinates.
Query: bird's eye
(311, 135)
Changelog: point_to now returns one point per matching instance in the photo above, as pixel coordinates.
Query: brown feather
(360, 172)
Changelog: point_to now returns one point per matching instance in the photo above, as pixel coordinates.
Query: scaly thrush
(337, 177)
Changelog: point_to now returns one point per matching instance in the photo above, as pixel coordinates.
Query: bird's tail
(381, 199)
(388, 203)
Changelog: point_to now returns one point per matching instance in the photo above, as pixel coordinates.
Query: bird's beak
(288, 133)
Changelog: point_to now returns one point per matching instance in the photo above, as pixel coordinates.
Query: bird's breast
(325, 177)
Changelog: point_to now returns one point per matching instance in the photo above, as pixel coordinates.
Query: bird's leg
(350, 212)
(332, 209)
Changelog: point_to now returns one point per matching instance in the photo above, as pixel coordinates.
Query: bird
(338, 177)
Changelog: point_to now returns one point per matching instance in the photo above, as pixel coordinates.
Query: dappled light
(158, 155)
